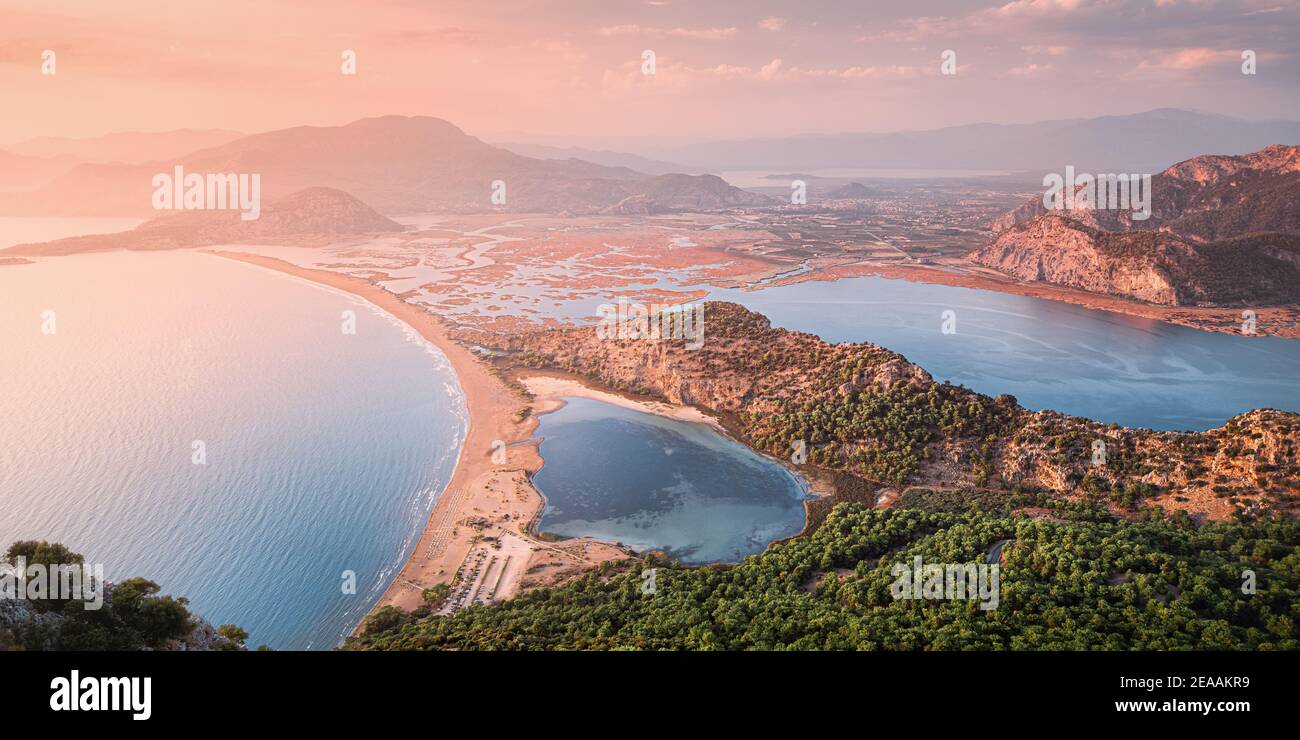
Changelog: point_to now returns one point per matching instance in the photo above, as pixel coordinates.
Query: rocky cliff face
(1059, 250)
(1205, 198)
(1156, 267)
(1223, 231)
(862, 409)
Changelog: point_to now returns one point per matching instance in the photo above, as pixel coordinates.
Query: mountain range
(396, 164)
(603, 157)
(1141, 142)
(403, 165)
(30, 164)
(23, 172)
(129, 147)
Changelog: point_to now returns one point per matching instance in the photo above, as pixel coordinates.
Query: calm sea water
(324, 451)
(1050, 355)
(652, 482)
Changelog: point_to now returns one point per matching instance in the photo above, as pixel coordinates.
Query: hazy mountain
(314, 211)
(22, 172)
(131, 147)
(601, 157)
(791, 176)
(1143, 142)
(1222, 231)
(852, 191)
(397, 164)
(667, 193)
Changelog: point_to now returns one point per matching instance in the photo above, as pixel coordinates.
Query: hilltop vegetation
(1065, 584)
(862, 410)
(1221, 231)
(133, 616)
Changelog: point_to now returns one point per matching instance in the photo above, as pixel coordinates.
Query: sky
(574, 70)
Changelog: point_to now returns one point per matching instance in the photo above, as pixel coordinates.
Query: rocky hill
(694, 193)
(1205, 198)
(310, 212)
(1152, 266)
(864, 410)
(1223, 231)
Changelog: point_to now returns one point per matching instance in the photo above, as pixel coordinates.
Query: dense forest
(1074, 580)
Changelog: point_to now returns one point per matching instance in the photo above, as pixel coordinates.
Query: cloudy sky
(735, 69)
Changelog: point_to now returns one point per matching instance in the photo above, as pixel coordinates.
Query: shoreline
(478, 536)
(1282, 322)
(549, 386)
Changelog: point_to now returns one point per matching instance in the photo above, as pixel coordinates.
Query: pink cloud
(633, 29)
(1185, 59)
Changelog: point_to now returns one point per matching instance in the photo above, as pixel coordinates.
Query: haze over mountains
(402, 165)
(30, 164)
(21, 172)
(130, 147)
(1223, 231)
(1142, 142)
(397, 165)
(602, 157)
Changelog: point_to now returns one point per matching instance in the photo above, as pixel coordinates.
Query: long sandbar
(496, 493)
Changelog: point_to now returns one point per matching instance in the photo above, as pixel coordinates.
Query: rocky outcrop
(1203, 199)
(1257, 270)
(1223, 231)
(21, 622)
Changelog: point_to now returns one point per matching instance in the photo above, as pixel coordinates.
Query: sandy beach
(549, 390)
(481, 523)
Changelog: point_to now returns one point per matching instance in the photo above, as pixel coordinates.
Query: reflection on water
(323, 451)
(656, 483)
(1050, 355)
